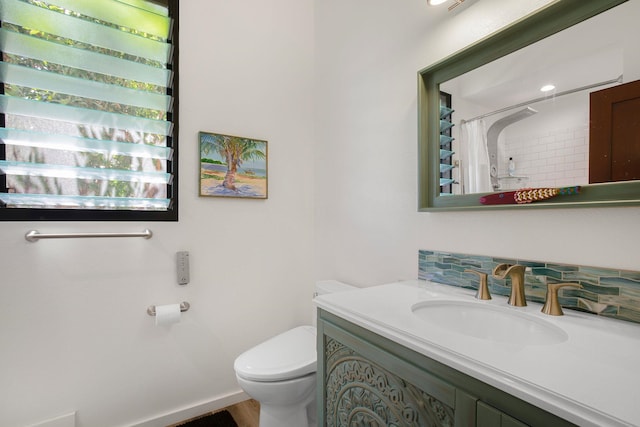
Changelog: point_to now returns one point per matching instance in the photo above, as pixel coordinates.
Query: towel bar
(35, 235)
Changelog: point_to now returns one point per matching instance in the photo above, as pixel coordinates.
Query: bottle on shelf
(511, 168)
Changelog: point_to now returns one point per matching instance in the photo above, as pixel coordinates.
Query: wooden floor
(245, 414)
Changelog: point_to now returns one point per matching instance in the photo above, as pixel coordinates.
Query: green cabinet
(489, 416)
(367, 380)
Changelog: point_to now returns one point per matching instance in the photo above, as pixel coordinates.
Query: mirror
(493, 89)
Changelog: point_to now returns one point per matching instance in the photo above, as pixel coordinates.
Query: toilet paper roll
(167, 315)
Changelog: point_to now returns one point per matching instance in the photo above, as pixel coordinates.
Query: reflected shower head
(492, 139)
(502, 123)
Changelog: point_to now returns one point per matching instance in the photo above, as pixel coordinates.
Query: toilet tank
(331, 286)
(328, 287)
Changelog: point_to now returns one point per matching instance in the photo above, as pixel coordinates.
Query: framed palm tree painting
(232, 166)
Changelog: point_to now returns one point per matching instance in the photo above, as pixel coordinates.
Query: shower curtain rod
(543, 98)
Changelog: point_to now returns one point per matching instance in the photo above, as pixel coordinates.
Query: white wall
(368, 230)
(74, 333)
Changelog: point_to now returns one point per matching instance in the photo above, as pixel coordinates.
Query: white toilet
(280, 373)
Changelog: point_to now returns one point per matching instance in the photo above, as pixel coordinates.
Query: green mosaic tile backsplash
(605, 292)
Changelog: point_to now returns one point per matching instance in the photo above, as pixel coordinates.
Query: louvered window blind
(87, 113)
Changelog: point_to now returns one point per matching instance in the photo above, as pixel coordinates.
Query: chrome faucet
(516, 272)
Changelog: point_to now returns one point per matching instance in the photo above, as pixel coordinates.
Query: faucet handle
(483, 288)
(551, 304)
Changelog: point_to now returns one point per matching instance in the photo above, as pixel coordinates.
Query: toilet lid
(291, 354)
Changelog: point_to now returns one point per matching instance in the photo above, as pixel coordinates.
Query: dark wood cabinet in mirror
(539, 33)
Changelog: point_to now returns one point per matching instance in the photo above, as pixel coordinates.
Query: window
(88, 110)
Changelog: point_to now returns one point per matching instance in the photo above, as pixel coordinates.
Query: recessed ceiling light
(547, 88)
(435, 2)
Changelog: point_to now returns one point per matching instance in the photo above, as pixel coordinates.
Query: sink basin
(489, 322)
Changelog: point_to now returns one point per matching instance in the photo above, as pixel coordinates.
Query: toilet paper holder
(184, 306)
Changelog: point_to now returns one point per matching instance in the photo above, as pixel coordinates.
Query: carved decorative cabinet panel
(362, 394)
(366, 380)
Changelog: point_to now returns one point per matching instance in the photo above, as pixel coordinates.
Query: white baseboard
(68, 420)
(193, 410)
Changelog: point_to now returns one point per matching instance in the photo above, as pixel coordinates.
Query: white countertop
(591, 379)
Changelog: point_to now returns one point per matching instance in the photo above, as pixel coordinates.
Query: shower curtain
(474, 158)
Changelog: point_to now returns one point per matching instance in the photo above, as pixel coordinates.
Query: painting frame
(233, 166)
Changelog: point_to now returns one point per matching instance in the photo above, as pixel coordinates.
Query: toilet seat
(289, 355)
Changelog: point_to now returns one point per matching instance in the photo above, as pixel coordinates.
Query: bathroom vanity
(418, 353)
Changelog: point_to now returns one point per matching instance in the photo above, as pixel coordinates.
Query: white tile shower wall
(550, 159)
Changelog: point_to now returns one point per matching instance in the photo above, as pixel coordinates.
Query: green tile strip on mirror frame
(605, 292)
